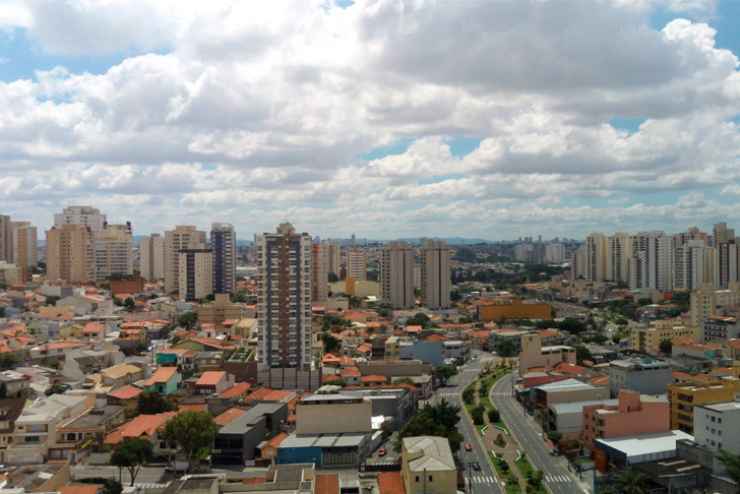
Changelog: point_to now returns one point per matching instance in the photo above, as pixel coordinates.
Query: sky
(488, 119)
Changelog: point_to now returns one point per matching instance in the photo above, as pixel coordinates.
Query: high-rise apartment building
(25, 255)
(597, 256)
(223, 245)
(436, 280)
(81, 215)
(356, 264)
(334, 255)
(722, 234)
(151, 257)
(181, 238)
(554, 253)
(6, 238)
(620, 252)
(397, 275)
(650, 265)
(284, 299)
(114, 255)
(195, 274)
(727, 270)
(70, 256)
(319, 272)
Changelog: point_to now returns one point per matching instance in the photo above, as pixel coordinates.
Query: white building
(196, 274)
(114, 255)
(356, 264)
(151, 257)
(717, 426)
(397, 275)
(182, 237)
(554, 253)
(436, 280)
(81, 215)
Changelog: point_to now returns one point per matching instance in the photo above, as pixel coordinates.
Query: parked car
(381, 452)
(468, 447)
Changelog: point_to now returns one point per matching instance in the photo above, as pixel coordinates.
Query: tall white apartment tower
(81, 215)
(597, 249)
(223, 245)
(650, 265)
(356, 264)
(436, 280)
(6, 238)
(114, 255)
(397, 275)
(151, 255)
(284, 299)
(319, 272)
(196, 274)
(620, 252)
(181, 238)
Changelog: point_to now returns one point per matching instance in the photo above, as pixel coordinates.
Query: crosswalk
(557, 478)
(482, 479)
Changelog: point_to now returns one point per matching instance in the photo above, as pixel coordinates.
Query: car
(468, 447)
(476, 466)
(381, 452)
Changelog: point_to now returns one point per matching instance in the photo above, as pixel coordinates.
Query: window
(417, 478)
(430, 478)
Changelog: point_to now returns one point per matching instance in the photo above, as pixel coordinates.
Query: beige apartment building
(151, 257)
(436, 280)
(25, 255)
(114, 254)
(70, 255)
(334, 257)
(319, 272)
(81, 215)
(427, 465)
(357, 264)
(196, 274)
(182, 237)
(397, 275)
(647, 338)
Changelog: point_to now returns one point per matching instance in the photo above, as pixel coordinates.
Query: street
(557, 477)
(484, 481)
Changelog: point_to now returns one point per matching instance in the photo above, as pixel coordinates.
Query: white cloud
(259, 112)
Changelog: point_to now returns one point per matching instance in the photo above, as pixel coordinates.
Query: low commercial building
(220, 310)
(717, 426)
(568, 418)
(632, 414)
(237, 441)
(325, 450)
(427, 465)
(684, 398)
(721, 328)
(536, 356)
(644, 375)
(633, 450)
(567, 391)
(333, 414)
(509, 308)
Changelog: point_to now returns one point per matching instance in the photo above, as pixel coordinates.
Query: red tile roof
(237, 390)
(373, 379)
(192, 407)
(126, 393)
(80, 489)
(351, 372)
(161, 375)
(229, 415)
(142, 425)
(210, 378)
(327, 483)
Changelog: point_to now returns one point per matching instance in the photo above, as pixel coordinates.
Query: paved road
(558, 478)
(483, 482)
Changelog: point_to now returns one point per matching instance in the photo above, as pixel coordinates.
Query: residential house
(165, 381)
(149, 427)
(121, 375)
(213, 382)
(427, 465)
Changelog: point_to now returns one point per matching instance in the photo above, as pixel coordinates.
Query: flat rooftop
(565, 385)
(728, 406)
(577, 406)
(646, 444)
(324, 441)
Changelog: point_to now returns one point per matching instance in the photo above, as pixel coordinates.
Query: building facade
(397, 275)
(81, 215)
(182, 237)
(319, 272)
(357, 264)
(196, 274)
(70, 255)
(223, 245)
(25, 253)
(436, 282)
(284, 299)
(151, 257)
(114, 255)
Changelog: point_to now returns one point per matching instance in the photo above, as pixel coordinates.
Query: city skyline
(384, 123)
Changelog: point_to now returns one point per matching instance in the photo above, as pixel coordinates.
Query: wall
(333, 418)
(515, 310)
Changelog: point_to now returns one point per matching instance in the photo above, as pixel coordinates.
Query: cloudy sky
(387, 118)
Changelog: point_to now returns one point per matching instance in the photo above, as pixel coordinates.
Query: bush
(468, 395)
(493, 415)
(477, 414)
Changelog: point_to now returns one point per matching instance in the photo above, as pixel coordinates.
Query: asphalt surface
(557, 477)
(483, 481)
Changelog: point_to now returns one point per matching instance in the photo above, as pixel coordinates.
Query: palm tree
(631, 482)
(732, 465)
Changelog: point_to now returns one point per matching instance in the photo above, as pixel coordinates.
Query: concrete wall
(333, 418)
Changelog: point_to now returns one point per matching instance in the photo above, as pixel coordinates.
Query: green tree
(582, 353)
(731, 463)
(131, 454)
(193, 432)
(129, 304)
(188, 320)
(444, 372)
(469, 395)
(505, 347)
(150, 403)
(631, 482)
(572, 325)
(3, 390)
(477, 414)
(420, 319)
(331, 344)
(493, 416)
(666, 346)
(435, 420)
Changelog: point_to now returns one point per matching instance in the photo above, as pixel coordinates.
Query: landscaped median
(511, 465)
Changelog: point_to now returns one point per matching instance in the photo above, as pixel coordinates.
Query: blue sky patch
(629, 124)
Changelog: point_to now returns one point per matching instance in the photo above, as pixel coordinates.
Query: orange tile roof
(600, 381)
(327, 483)
(210, 378)
(268, 394)
(436, 337)
(373, 379)
(351, 372)
(141, 425)
(125, 393)
(80, 489)
(329, 378)
(413, 329)
(192, 407)
(390, 483)
(161, 375)
(229, 415)
(93, 327)
(365, 348)
(277, 440)
(568, 368)
(237, 390)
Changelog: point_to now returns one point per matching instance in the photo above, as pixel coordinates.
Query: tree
(150, 403)
(571, 325)
(468, 395)
(505, 347)
(419, 319)
(333, 278)
(444, 372)
(493, 416)
(129, 304)
(631, 482)
(477, 414)
(666, 346)
(188, 320)
(435, 420)
(331, 344)
(193, 432)
(583, 353)
(731, 463)
(131, 454)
